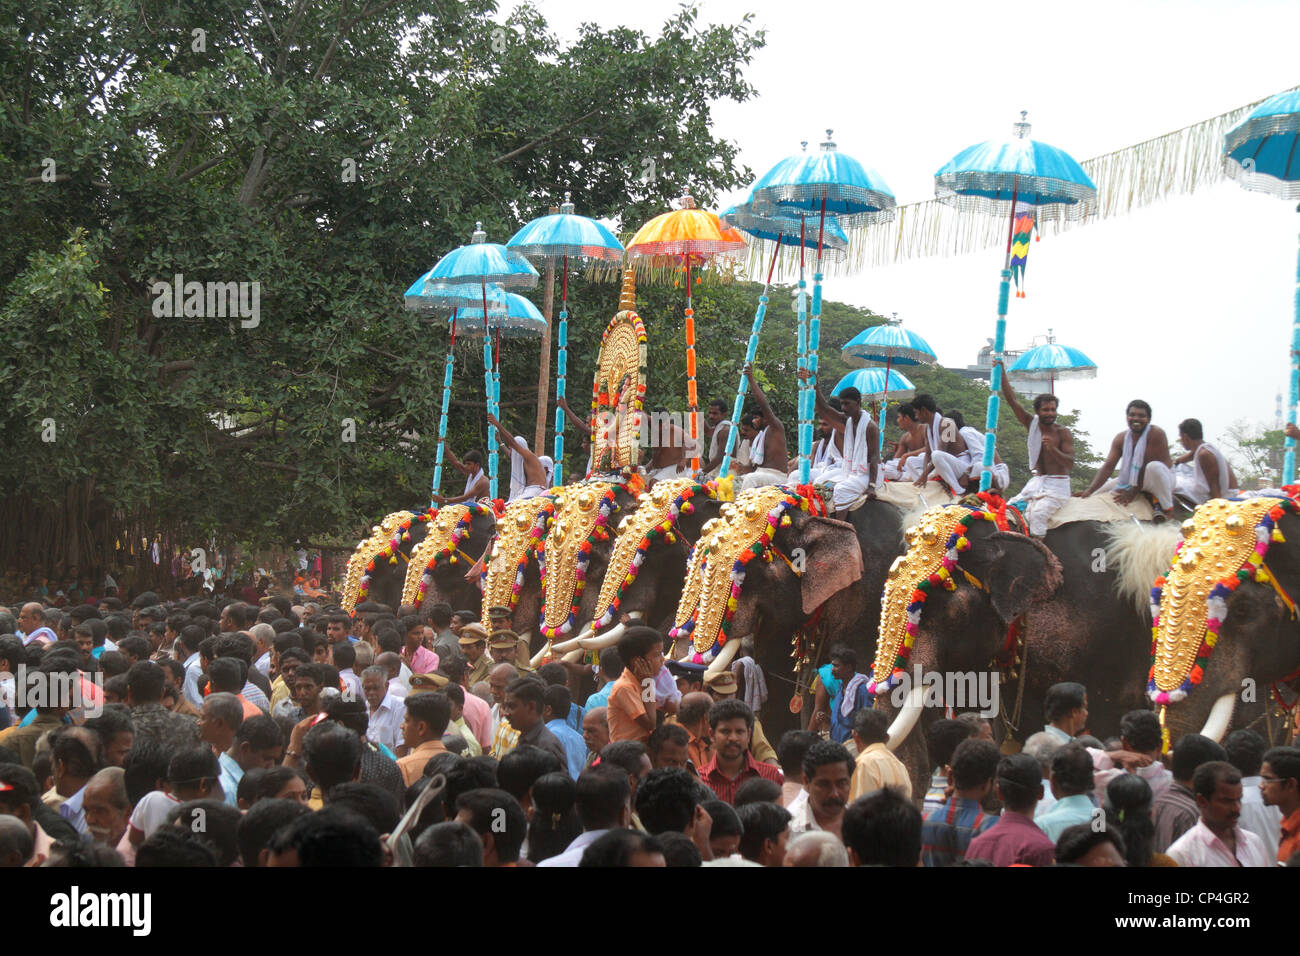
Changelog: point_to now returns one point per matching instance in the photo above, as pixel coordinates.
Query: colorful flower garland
(458, 534)
(664, 530)
(600, 532)
(777, 516)
(1216, 604)
(957, 542)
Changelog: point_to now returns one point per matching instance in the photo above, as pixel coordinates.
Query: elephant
(1073, 596)
(1258, 644)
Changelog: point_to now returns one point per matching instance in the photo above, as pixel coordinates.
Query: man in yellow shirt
(876, 766)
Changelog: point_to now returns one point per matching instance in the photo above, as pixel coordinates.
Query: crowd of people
(213, 733)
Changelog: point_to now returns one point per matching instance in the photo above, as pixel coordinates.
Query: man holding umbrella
(530, 475)
(861, 446)
(767, 450)
(476, 482)
(1051, 456)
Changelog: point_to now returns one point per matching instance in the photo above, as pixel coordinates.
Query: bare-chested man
(767, 449)
(668, 445)
(859, 472)
(476, 482)
(1051, 456)
(909, 451)
(1142, 453)
(536, 470)
(945, 449)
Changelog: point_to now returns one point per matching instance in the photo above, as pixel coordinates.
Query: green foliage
(218, 140)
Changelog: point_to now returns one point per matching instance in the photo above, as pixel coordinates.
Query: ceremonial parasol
(889, 344)
(1263, 155)
(483, 262)
(1050, 362)
(519, 318)
(564, 236)
(827, 182)
(876, 383)
(781, 229)
(687, 237)
(422, 297)
(1004, 178)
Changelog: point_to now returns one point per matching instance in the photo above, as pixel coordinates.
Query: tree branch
(543, 138)
(200, 169)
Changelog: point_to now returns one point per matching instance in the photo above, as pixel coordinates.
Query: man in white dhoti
(767, 449)
(909, 451)
(946, 454)
(974, 439)
(859, 471)
(528, 475)
(1051, 456)
(827, 457)
(1142, 452)
(716, 428)
(1211, 476)
(476, 482)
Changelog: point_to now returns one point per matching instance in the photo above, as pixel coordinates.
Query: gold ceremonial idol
(1219, 537)
(722, 542)
(652, 511)
(437, 540)
(380, 535)
(619, 389)
(924, 557)
(508, 550)
(577, 508)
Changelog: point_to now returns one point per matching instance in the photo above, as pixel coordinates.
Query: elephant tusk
(608, 639)
(1216, 725)
(574, 656)
(563, 647)
(725, 656)
(536, 660)
(907, 717)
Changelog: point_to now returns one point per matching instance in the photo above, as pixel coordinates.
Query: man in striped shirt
(731, 723)
(948, 829)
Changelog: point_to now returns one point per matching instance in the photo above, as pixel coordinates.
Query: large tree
(329, 152)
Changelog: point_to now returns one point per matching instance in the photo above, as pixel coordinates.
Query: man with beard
(731, 723)
(106, 806)
(827, 773)
(1142, 452)
(716, 428)
(1051, 456)
(1217, 840)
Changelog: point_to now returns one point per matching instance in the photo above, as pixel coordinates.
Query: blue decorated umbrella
(1263, 155)
(481, 262)
(876, 383)
(889, 344)
(1001, 178)
(824, 183)
(564, 236)
(518, 319)
(1050, 362)
(782, 229)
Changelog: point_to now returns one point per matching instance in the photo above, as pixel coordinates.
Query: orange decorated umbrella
(686, 237)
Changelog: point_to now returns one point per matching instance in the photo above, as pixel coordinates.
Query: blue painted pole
(1288, 463)
(488, 383)
(448, 365)
(561, 370)
(751, 352)
(995, 383)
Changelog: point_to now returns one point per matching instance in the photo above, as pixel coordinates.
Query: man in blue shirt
(847, 689)
(1072, 779)
(1066, 709)
(558, 701)
(949, 828)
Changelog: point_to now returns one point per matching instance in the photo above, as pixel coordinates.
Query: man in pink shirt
(419, 658)
(476, 711)
(1217, 840)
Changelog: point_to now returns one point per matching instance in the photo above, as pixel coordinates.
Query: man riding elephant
(1142, 453)
(1051, 456)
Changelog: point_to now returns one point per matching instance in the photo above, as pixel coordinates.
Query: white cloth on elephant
(1043, 495)
(1198, 488)
(1158, 479)
(761, 478)
(952, 469)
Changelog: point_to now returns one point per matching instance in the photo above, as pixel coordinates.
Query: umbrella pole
(489, 383)
(692, 393)
(808, 403)
(1288, 462)
(448, 365)
(884, 403)
(750, 354)
(561, 369)
(999, 344)
(801, 347)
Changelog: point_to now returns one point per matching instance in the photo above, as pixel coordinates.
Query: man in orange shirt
(427, 716)
(631, 709)
(1279, 783)
(693, 714)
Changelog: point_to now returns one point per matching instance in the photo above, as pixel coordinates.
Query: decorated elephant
(978, 618)
(1225, 629)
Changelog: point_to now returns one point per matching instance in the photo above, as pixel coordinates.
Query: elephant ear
(1019, 571)
(832, 559)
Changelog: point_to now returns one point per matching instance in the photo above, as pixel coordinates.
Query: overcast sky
(1187, 303)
